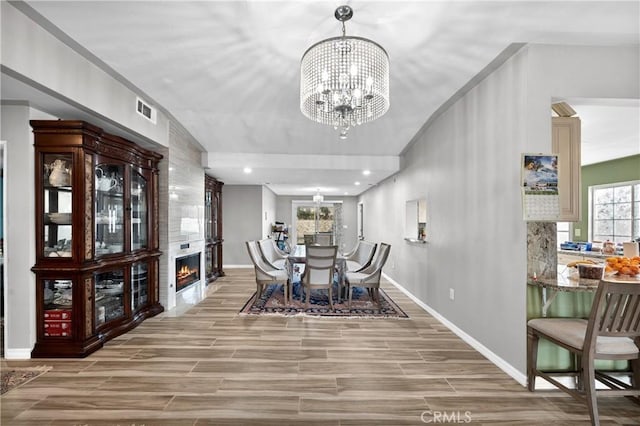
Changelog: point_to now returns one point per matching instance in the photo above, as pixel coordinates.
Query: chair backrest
(350, 254)
(261, 268)
(615, 312)
(320, 265)
(365, 253)
(324, 239)
(380, 260)
(268, 250)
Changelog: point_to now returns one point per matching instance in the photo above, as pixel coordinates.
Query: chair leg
(635, 376)
(308, 291)
(589, 382)
(258, 292)
(331, 297)
(350, 289)
(580, 375)
(285, 290)
(532, 358)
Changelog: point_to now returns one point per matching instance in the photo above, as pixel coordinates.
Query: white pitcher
(60, 175)
(103, 182)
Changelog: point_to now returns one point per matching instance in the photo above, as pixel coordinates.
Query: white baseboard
(24, 353)
(491, 356)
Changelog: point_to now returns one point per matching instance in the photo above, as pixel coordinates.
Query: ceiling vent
(145, 110)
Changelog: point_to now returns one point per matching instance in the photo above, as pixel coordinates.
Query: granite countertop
(592, 254)
(567, 279)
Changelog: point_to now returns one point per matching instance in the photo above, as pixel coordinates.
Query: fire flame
(185, 271)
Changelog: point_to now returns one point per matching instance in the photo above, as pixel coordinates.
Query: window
(312, 218)
(564, 232)
(615, 211)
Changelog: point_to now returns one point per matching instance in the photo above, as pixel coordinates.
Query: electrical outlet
(393, 265)
(452, 294)
(576, 232)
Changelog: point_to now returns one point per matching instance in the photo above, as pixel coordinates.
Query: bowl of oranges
(629, 266)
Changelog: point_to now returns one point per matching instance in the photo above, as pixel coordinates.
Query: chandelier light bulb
(344, 80)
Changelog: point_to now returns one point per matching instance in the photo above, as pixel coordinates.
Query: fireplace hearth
(187, 271)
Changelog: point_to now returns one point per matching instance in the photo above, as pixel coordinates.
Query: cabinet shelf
(86, 293)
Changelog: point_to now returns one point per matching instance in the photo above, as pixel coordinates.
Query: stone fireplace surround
(192, 294)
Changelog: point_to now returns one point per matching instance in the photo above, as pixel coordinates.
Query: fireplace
(187, 271)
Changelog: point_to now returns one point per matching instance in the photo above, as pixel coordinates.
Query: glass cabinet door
(139, 216)
(109, 204)
(109, 299)
(139, 285)
(58, 204)
(58, 307)
(208, 261)
(214, 214)
(208, 221)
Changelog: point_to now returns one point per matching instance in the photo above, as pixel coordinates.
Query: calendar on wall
(540, 198)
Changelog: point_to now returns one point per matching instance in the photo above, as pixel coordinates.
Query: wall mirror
(416, 221)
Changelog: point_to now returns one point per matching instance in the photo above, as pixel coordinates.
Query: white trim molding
(21, 353)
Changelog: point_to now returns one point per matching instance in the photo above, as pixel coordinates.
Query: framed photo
(540, 173)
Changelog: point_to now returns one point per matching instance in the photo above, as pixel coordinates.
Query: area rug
(272, 303)
(14, 377)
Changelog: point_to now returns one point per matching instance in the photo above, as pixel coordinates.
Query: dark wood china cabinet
(97, 245)
(213, 227)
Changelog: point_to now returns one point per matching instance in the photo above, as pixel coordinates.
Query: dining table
(297, 258)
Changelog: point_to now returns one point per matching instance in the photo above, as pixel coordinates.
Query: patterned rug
(272, 303)
(14, 377)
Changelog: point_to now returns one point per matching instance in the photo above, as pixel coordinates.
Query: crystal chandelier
(318, 198)
(344, 80)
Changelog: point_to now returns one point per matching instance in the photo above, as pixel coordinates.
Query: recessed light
(346, 193)
(366, 172)
(357, 183)
(247, 170)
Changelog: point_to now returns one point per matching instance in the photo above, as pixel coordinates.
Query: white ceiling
(229, 72)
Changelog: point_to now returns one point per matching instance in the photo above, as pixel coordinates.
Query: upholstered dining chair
(324, 239)
(361, 256)
(319, 270)
(270, 255)
(265, 274)
(369, 277)
(611, 332)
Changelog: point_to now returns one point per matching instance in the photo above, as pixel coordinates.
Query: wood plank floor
(210, 366)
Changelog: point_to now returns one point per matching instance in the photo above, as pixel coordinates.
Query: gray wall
(19, 236)
(466, 165)
(241, 221)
